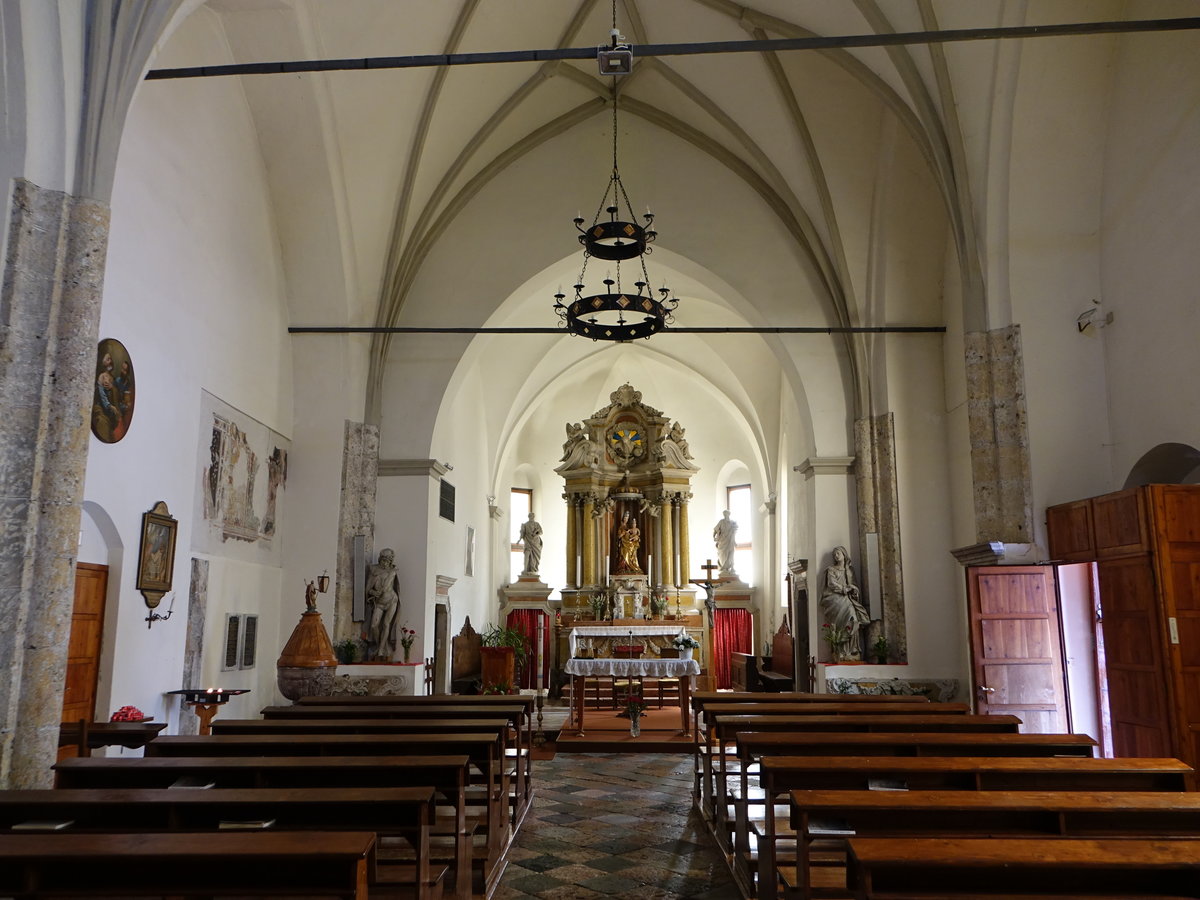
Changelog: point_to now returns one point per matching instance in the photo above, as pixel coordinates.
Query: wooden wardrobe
(1145, 542)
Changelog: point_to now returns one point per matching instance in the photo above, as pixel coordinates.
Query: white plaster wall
(194, 291)
(1149, 267)
(1054, 268)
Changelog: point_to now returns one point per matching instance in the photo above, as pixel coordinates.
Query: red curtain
(526, 621)
(733, 632)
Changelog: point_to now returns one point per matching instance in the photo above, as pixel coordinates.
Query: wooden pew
(527, 702)
(383, 719)
(323, 863)
(447, 774)
(779, 775)
(753, 745)
(723, 730)
(388, 812)
(945, 868)
(88, 736)
(703, 748)
(482, 747)
(819, 815)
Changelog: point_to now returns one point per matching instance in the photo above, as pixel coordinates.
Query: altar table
(581, 669)
(621, 631)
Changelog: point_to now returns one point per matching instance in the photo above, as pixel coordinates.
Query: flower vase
(685, 652)
(635, 726)
(407, 653)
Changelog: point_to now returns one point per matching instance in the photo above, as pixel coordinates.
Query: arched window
(519, 505)
(737, 498)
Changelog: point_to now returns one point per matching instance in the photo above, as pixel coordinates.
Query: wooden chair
(626, 688)
(466, 666)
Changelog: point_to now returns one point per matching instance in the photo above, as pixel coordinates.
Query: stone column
(879, 514)
(49, 316)
(668, 544)
(589, 542)
(572, 542)
(356, 515)
(999, 431)
(685, 561)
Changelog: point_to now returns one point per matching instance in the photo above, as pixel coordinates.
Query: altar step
(655, 691)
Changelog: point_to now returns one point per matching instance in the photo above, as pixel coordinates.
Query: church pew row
(520, 707)
(973, 868)
(731, 827)
(821, 817)
(448, 775)
(357, 718)
(780, 775)
(751, 746)
(709, 753)
(299, 864)
(404, 813)
(484, 748)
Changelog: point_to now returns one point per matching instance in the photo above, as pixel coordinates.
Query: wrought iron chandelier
(616, 314)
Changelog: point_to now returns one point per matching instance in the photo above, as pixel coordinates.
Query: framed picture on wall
(156, 553)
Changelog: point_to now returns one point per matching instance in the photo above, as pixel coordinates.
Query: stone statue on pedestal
(724, 536)
(383, 597)
(531, 541)
(840, 604)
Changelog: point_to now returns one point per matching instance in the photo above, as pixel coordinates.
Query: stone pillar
(49, 316)
(589, 542)
(685, 561)
(360, 477)
(999, 431)
(572, 542)
(879, 514)
(668, 544)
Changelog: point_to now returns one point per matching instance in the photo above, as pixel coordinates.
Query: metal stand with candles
(539, 737)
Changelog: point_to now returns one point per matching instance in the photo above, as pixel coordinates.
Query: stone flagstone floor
(614, 825)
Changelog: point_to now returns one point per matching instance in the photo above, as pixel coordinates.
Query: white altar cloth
(651, 668)
(620, 631)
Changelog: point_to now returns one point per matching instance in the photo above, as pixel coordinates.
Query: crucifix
(710, 603)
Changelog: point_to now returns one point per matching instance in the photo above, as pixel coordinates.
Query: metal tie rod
(847, 41)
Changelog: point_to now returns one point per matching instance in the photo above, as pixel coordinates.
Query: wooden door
(83, 648)
(1016, 646)
(1134, 657)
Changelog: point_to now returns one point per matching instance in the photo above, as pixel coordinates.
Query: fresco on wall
(243, 472)
(113, 391)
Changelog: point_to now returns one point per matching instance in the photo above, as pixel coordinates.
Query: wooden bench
(779, 775)
(448, 775)
(405, 812)
(726, 730)
(482, 747)
(88, 736)
(517, 714)
(831, 816)
(753, 745)
(748, 705)
(944, 868)
(723, 730)
(321, 863)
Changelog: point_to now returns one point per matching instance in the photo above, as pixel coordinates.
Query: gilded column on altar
(589, 543)
(572, 542)
(685, 561)
(668, 545)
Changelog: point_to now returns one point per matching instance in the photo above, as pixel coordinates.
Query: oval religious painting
(112, 392)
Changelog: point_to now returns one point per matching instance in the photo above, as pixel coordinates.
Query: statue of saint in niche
(629, 539)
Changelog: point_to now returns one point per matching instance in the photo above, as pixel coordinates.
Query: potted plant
(502, 651)
(838, 640)
(880, 649)
(346, 651)
(685, 644)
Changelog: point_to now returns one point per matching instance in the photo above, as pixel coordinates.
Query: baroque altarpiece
(627, 474)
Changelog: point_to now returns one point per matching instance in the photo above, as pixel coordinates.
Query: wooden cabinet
(1146, 545)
